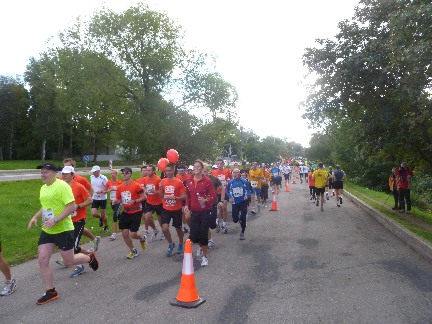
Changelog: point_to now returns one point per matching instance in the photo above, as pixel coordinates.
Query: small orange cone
(187, 296)
(287, 187)
(274, 205)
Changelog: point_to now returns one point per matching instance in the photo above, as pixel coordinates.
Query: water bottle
(202, 204)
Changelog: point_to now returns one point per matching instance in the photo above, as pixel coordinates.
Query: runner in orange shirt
(111, 187)
(130, 194)
(82, 180)
(82, 200)
(311, 182)
(173, 193)
(224, 175)
(154, 202)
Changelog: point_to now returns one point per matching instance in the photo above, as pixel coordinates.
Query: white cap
(190, 167)
(214, 166)
(68, 169)
(95, 168)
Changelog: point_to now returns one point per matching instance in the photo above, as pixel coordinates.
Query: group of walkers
(400, 184)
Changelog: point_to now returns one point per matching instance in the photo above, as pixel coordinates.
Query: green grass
(384, 201)
(19, 201)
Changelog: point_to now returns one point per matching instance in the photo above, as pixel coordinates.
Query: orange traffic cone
(274, 205)
(287, 187)
(188, 295)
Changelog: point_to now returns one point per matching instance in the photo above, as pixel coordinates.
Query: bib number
(237, 192)
(126, 196)
(47, 214)
(254, 184)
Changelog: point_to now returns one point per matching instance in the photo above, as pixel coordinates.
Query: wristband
(78, 206)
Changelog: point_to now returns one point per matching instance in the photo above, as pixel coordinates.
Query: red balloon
(162, 163)
(172, 155)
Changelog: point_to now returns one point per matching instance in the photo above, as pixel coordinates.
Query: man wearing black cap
(130, 194)
(58, 203)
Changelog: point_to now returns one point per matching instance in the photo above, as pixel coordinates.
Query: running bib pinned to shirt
(113, 192)
(237, 192)
(150, 188)
(254, 184)
(126, 196)
(47, 214)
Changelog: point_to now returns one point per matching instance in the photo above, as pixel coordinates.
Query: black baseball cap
(49, 166)
(126, 170)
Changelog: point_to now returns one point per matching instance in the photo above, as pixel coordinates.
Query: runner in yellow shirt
(320, 176)
(255, 177)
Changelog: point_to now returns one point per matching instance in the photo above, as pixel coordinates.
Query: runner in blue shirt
(239, 194)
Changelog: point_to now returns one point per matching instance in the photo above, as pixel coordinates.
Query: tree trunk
(43, 151)
(11, 146)
(94, 149)
(70, 141)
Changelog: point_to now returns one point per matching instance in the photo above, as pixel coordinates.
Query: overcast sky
(258, 45)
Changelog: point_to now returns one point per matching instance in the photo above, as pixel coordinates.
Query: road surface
(297, 265)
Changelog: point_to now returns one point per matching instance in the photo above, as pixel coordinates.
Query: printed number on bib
(170, 202)
(112, 195)
(97, 196)
(254, 184)
(150, 188)
(126, 196)
(47, 214)
(237, 192)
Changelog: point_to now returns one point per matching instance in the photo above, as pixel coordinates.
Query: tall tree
(365, 81)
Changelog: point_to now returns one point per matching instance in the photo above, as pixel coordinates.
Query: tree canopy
(372, 94)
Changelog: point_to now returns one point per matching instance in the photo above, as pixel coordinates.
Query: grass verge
(19, 201)
(418, 222)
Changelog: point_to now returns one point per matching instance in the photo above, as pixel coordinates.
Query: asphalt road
(297, 265)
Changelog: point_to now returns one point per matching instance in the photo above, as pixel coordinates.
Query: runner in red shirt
(200, 195)
(130, 194)
(173, 193)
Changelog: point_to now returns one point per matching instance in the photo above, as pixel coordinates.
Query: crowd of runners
(193, 199)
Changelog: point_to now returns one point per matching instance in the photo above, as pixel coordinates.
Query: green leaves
(375, 78)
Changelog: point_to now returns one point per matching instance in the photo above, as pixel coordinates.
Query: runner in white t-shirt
(98, 182)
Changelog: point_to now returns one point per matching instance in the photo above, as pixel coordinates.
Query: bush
(421, 191)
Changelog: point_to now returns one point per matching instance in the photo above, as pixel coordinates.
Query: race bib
(169, 192)
(169, 202)
(73, 214)
(112, 195)
(47, 214)
(97, 196)
(126, 196)
(237, 192)
(254, 183)
(150, 188)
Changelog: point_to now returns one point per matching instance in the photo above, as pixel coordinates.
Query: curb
(418, 244)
